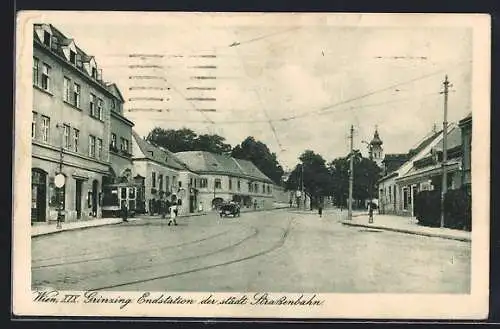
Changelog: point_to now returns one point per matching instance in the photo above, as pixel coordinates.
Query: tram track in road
(281, 241)
(143, 250)
(141, 223)
(179, 260)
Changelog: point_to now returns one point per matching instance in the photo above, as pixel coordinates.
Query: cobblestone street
(277, 251)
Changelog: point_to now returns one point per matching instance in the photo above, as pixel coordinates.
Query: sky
(294, 82)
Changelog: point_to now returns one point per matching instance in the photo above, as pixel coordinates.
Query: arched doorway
(95, 197)
(126, 176)
(38, 195)
(217, 202)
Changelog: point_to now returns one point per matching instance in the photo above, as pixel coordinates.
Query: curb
(433, 235)
(74, 229)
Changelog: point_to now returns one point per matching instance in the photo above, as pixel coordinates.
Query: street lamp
(60, 179)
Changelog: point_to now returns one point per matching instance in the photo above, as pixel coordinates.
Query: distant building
(392, 162)
(70, 128)
(161, 176)
(466, 127)
(223, 179)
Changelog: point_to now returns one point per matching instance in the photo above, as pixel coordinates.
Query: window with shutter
(76, 96)
(36, 64)
(46, 77)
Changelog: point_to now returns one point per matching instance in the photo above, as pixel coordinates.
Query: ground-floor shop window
(57, 196)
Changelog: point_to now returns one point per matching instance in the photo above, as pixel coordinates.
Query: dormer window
(94, 73)
(47, 38)
(72, 57)
(78, 59)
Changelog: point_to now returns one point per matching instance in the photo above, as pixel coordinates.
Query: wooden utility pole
(444, 186)
(302, 186)
(351, 173)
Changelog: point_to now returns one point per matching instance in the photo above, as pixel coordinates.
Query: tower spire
(376, 147)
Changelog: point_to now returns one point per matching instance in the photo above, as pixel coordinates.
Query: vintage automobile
(229, 209)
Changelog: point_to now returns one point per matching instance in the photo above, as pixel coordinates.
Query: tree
(258, 153)
(366, 174)
(339, 171)
(313, 174)
(187, 140)
(211, 143)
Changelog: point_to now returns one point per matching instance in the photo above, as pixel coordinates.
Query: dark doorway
(78, 199)
(95, 197)
(192, 203)
(38, 195)
(217, 202)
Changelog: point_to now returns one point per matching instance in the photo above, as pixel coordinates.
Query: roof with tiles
(427, 140)
(453, 140)
(207, 162)
(249, 168)
(157, 154)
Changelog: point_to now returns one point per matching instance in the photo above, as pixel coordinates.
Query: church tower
(376, 150)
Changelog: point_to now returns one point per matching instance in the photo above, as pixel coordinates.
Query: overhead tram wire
(198, 51)
(273, 128)
(350, 108)
(329, 108)
(172, 87)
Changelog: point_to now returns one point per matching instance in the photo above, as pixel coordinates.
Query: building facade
(426, 172)
(70, 128)
(393, 199)
(223, 178)
(158, 173)
(466, 127)
(423, 172)
(120, 141)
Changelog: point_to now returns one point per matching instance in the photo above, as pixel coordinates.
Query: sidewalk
(50, 228)
(406, 225)
(329, 210)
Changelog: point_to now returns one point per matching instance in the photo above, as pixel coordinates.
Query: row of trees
(185, 139)
(320, 178)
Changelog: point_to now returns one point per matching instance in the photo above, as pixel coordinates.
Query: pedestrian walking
(164, 208)
(370, 213)
(173, 215)
(200, 207)
(255, 205)
(290, 203)
(124, 211)
(320, 210)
